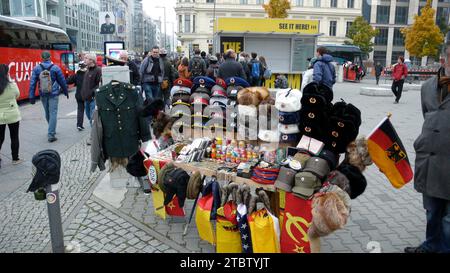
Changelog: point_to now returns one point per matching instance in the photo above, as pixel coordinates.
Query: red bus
(21, 45)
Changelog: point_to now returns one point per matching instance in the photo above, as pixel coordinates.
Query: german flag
(389, 154)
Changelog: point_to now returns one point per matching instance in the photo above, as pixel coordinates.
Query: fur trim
(358, 154)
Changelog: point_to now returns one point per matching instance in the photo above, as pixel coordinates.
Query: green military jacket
(119, 108)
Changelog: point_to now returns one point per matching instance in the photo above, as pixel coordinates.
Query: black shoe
(417, 249)
(80, 128)
(52, 139)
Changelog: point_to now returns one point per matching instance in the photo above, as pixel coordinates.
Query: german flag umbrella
(389, 154)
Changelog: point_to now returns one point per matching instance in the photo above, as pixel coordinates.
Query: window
(5, 8)
(349, 24)
(187, 23)
(244, 2)
(317, 3)
(16, 8)
(351, 4)
(259, 2)
(398, 38)
(193, 23)
(180, 23)
(395, 55)
(333, 3)
(442, 15)
(383, 14)
(299, 3)
(210, 1)
(333, 25)
(382, 37)
(379, 56)
(401, 15)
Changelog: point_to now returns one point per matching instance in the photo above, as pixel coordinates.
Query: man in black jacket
(77, 80)
(231, 68)
(135, 77)
(168, 76)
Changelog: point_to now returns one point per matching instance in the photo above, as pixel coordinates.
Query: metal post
(165, 29)
(214, 25)
(54, 218)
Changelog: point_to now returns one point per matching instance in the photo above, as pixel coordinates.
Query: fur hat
(162, 123)
(358, 154)
(151, 109)
(357, 180)
(248, 97)
(329, 213)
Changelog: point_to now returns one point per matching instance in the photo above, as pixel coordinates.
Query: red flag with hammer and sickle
(296, 221)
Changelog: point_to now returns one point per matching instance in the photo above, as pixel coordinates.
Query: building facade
(82, 25)
(389, 17)
(152, 33)
(195, 18)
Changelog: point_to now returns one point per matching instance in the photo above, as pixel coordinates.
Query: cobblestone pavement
(24, 226)
(98, 230)
(382, 219)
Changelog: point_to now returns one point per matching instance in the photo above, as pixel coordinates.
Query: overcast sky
(156, 13)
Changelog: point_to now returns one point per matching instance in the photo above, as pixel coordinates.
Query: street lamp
(165, 23)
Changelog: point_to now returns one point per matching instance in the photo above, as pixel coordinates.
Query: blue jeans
(50, 104)
(89, 107)
(438, 224)
(152, 91)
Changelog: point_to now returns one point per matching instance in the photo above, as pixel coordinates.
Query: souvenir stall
(268, 172)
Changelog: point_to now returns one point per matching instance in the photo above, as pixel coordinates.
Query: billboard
(107, 21)
(235, 43)
(266, 25)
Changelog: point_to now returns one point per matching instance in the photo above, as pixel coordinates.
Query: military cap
(182, 82)
(237, 81)
(180, 89)
(204, 81)
(221, 82)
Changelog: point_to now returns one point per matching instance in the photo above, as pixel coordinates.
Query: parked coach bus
(21, 45)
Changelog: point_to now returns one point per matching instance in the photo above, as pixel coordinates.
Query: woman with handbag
(9, 112)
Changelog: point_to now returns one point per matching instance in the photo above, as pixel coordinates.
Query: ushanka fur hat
(357, 180)
(358, 154)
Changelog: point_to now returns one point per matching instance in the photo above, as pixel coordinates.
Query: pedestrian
(168, 76)
(219, 58)
(307, 76)
(197, 65)
(432, 147)
(50, 79)
(324, 72)
(183, 69)
(135, 77)
(213, 69)
(230, 67)
(77, 80)
(9, 113)
(245, 64)
(256, 70)
(378, 70)
(399, 73)
(91, 82)
(152, 74)
(205, 58)
(266, 71)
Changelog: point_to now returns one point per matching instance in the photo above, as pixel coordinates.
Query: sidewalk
(383, 216)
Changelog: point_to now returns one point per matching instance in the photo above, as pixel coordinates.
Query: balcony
(54, 20)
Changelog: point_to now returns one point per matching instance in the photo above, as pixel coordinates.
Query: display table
(210, 168)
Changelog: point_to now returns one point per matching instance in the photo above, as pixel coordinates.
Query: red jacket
(398, 71)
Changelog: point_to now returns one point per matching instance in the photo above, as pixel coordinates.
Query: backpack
(255, 70)
(197, 67)
(267, 74)
(45, 80)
